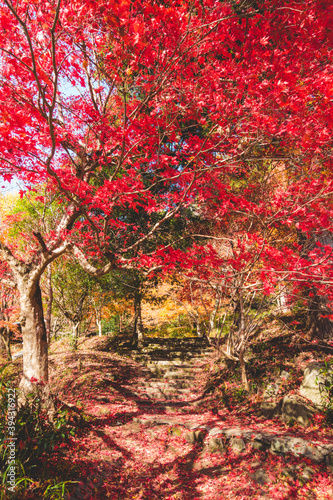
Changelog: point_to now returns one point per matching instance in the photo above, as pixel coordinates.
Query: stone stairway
(157, 431)
(174, 381)
(174, 367)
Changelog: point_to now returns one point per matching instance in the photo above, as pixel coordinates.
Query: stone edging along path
(219, 438)
(174, 366)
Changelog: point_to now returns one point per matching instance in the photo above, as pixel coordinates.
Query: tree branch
(89, 268)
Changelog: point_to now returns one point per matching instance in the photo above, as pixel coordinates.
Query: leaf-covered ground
(120, 457)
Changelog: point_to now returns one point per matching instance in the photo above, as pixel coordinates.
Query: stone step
(170, 397)
(159, 357)
(162, 363)
(175, 369)
(168, 340)
(164, 396)
(166, 345)
(176, 384)
(187, 364)
(166, 390)
(179, 374)
(188, 350)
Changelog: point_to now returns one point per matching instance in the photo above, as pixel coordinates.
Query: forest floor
(136, 447)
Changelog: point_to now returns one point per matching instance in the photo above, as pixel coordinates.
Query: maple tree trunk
(214, 312)
(242, 341)
(243, 369)
(137, 338)
(35, 357)
(49, 304)
(237, 326)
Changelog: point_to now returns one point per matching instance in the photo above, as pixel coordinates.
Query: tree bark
(243, 369)
(214, 312)
(199, 331)
(49, 304)
(35, 357)
(76, 325)
(99, 325)
(138, 336)
(317, 325)
(2, 341)
(282, 302)
(5, 341)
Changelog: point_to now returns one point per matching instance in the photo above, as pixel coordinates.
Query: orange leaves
(12, 326)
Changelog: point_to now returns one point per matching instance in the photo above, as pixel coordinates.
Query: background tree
(8, 309)
(72, 291)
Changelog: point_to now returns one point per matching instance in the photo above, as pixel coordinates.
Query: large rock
(295, 408)
(317, 379)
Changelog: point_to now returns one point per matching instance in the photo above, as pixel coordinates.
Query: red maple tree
(106, 103)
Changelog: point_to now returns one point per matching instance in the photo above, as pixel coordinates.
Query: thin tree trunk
(2, 339)
(243, 369)
(138, 337)
(199, 331)
(55, 328)
(5, 341)
(99, 324)
(75, 334)
(214, 312)
(282, 302)
(140, 324)
(242, 341)
(5, 332)
(220, 330)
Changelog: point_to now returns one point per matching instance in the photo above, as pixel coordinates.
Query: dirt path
(152, 435)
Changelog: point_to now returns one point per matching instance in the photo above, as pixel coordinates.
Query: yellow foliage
(7, 204)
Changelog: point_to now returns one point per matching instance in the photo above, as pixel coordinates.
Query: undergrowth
(266, 361)
(41, 470)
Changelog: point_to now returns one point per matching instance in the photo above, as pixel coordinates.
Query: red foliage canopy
(163, 105)
(106, 100)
